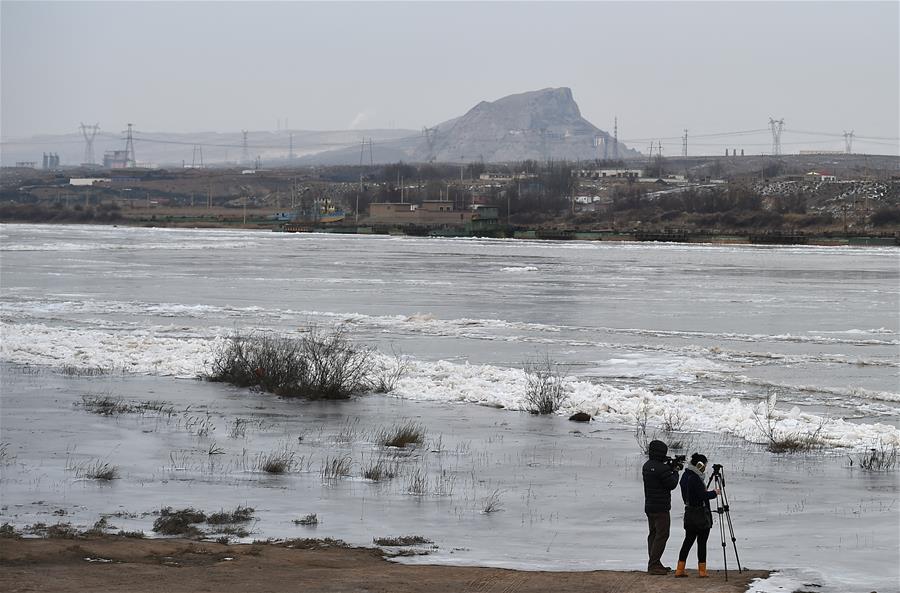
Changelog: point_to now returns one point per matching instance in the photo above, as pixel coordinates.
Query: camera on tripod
(676, 463)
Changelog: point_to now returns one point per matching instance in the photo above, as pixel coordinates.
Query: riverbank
(228, 219)
(147, 565)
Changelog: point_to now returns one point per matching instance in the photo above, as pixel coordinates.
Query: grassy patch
(408, 433)
(306, 543)
(310, 520)
(75, 371)
(337, 467)
(181, 522)
(379, 470)
(56, 531)
(107, 405)
(277, 462)
(241, 514)
(97, 470)
(403, 540)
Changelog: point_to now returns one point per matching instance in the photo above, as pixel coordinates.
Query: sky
(659, 67)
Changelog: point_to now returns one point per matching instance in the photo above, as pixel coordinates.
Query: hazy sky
(659, 66)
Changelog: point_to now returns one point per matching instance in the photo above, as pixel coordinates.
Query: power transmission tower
(777, 126)
(198, 151)
(616, 138)
(362, 151)
(245, 152)
(848, 141)
(430, 139)
(130, 160)
(291, 147)
(89, 132)
(684, 144)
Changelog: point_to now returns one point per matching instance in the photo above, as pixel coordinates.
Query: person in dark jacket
(697, 514)
(660, 478)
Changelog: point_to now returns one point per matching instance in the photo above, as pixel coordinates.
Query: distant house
(821, 176)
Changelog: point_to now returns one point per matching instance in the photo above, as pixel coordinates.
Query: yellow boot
(701, 570)
(679, 570)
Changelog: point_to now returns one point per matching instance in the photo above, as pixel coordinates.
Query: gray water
(704, 330)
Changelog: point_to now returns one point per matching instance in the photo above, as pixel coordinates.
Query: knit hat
(658, 448)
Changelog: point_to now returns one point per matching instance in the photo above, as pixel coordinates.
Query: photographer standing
(660, 478)
(697, 514)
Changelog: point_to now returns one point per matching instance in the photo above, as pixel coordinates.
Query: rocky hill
(540, 125)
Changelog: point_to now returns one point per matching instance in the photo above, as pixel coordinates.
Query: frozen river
(703, 332)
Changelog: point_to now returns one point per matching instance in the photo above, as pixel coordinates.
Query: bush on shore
(318, 365)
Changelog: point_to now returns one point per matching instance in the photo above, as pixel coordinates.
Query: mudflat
(139, 565)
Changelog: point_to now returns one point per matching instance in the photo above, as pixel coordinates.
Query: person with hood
(697, 514)
(660, 478)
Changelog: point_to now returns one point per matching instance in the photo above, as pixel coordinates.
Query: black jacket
(659, 480)
(694, 492)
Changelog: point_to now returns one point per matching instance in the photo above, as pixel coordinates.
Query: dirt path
(141, 565)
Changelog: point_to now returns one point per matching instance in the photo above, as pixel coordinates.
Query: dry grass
(408, 433)
(334, 468)
(310, 520)
(181, 522)
(241, 514)
(403, 540)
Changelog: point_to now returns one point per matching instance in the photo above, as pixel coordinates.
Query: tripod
(724, 512)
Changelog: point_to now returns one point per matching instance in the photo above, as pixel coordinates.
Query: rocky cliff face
(545, 124)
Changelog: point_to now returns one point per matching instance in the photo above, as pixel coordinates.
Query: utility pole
(245, 153)
(684, 144)
(291, 147)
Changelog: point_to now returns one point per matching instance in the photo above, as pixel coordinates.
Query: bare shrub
(641, 434)
(673, 420)
(408, 433)
(545, 389)
(779, 440)
(318, 365)
(884, 457)
(389, 373)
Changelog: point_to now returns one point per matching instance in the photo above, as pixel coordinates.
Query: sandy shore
(138, 565)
